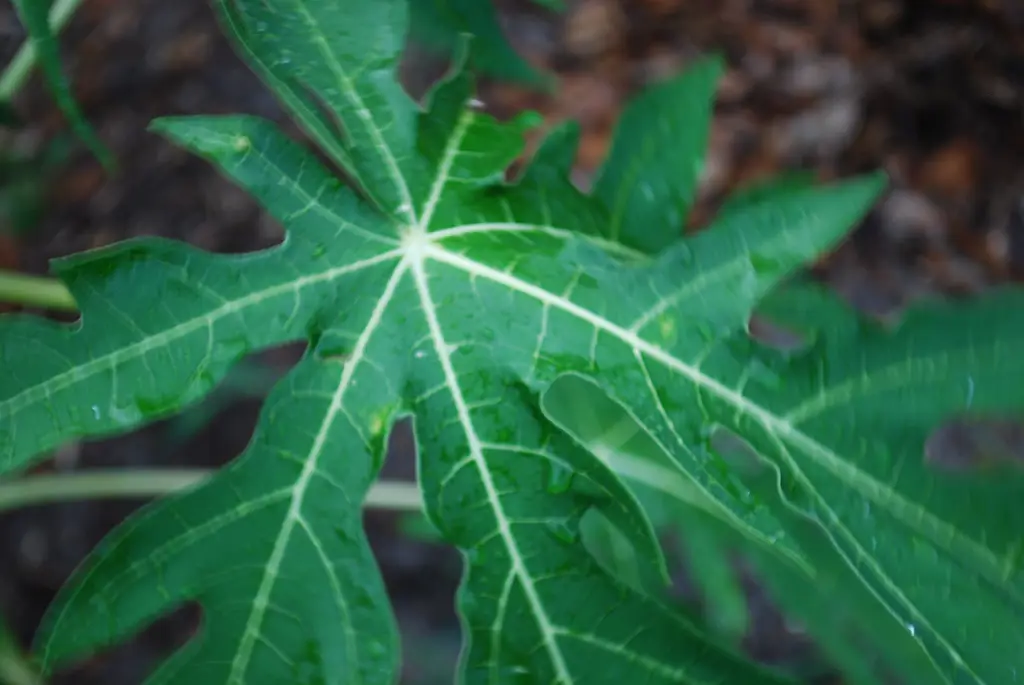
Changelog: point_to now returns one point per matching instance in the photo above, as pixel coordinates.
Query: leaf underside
(437, 289)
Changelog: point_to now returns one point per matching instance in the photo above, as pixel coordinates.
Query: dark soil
(931, 91)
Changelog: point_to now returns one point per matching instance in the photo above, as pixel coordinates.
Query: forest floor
(932, 92)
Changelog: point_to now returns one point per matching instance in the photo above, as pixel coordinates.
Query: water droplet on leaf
(760, 372)
(563, 531)
(764, 265)
(1012, 559)
(332, 347)
(707, 431)
(705, 331)
(559, 478)
(476, 557)
(517, 675)
(666, 327)
(682, 254)
(376, 649)
(232, 348)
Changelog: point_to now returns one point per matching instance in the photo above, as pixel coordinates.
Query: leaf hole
(313, 99)
(168, 633)
(776, 336)
(976, 443)
(735, 452)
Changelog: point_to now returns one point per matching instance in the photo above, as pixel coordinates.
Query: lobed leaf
(861, 406)
(495, 473)
(435, 288)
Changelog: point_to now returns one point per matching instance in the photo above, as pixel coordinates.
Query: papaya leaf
(864, 639)
(500, 474)
(432, 287)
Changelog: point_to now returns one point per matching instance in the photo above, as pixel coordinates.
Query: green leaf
(35, 15)
(436, 289)
(919, 535)
(269, 63)
(608, 431)
(440, 24)
(766, 190)
(417, 527)
(248, 379)
(650, 178)
(500, 476)
(850, 622)
(15, 667)
(793, 554)
(358, 282)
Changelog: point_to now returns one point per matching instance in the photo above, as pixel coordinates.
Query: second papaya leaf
(439, 25)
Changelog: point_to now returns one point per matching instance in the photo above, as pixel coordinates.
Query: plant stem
(15, 671)
(19, 68)
(134, 483)
(15, 667)
(35, 291)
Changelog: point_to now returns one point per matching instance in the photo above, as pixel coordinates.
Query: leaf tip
(165, 126)
(714, 62)
(878, 180)
(208, 136)
(528, 120)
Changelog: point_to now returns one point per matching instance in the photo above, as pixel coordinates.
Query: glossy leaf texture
(272, 547)
(797, 564)
(940, 547)
(434, 287)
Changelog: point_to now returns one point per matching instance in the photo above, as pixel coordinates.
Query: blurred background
(932, 91)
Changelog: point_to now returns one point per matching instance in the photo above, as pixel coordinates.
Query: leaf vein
(477, 454)
(926, 523)
(240, 662)
(113, 359)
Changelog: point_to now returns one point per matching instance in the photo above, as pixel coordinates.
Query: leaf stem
(134, 483)
(36, 291)
(15, 666)
(19, 68)
(14, 670)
